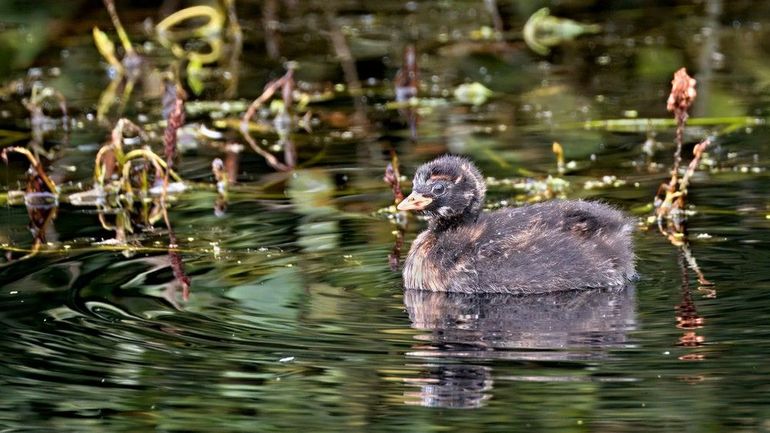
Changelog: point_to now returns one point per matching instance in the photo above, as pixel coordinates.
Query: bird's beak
(415, 201)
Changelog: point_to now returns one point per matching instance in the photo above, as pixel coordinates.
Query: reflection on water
(687, 317)
(466, 328)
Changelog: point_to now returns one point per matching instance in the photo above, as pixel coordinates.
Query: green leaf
(194, 69)
(473, 93)
(106, 48)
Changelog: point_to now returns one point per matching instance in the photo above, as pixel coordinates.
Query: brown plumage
(546, 247)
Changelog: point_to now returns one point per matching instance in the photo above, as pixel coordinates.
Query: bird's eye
(438, 189)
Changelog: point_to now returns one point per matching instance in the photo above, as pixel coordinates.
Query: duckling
(547, 247)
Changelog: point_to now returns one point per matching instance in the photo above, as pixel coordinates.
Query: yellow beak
(415, 201)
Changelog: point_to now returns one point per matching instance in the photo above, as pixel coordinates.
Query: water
(294, 318)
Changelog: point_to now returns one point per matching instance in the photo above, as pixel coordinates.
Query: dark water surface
(294, 319)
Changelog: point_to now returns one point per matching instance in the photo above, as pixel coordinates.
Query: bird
(552, 246)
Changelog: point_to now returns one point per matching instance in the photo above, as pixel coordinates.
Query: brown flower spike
(682, 92)
(682, 96)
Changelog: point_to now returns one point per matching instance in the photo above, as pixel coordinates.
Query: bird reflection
(467, 328)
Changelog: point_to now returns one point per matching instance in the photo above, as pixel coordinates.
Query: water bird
(541, 248)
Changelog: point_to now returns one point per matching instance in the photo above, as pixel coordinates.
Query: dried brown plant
(670, 198)
(286, 85)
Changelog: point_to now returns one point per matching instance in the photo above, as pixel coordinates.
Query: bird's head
(447, 189)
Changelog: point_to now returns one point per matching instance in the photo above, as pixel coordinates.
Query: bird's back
(547, 247)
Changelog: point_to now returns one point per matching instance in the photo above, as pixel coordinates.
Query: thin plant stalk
(35, 163)
(270, 89)
(122, 35)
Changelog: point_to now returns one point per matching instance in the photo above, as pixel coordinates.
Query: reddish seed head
(682, 91)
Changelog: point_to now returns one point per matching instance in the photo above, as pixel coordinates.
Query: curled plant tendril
(285, 85)
(171, 33)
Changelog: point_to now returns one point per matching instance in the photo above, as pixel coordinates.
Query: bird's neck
(440, 224)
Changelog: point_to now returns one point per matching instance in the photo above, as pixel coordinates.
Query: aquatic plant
(173, 111)
(223, 181)
(127, 71)
(205, 42)
(393, 178)
(543, 31)
(38, 179)
(41, 198)
(130, 188)
(107, 48)
(42, 121)
(209, 32)
(669, 204)
(283, 121)
(472, 93)
(406, 83)
(670, 198)
(119, 173)
(558, 150)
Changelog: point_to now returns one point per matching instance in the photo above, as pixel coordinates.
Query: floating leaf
(543, 31)
(473, 93)
(484, 33)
